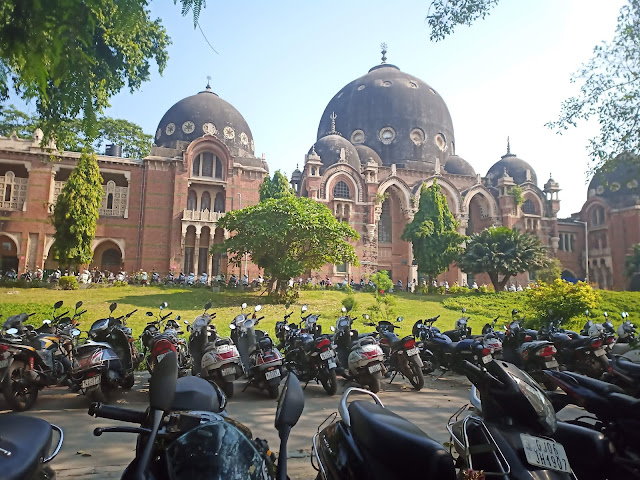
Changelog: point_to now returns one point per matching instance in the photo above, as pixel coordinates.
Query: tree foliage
(444, 15)
(500, 251)
(70, 136)
(632, 262)
(287, 236)
(561, 300)
(275, 187)
(433, 232)
(76, 213)
(551, 272)
(382, 282)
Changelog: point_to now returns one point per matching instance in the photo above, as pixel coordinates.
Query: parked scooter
(402, 355)
(152, 344)
(262, 361)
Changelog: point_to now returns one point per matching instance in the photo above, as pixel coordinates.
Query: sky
(280, 62)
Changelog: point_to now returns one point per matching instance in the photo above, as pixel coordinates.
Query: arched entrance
(8, 254)
(107, 255)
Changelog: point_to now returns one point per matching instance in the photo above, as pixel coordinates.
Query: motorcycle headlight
(539, 401)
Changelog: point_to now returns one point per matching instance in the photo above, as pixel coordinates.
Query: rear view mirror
(586, 312)
(78, 304)
(464, 309)
(287, 305)
(207, 306)
(12, 331)
(257, 308)
(177, 317)
(75, 332)
(304, 308)
(399, 319)
(149, 314)
(244, 305)
(46, 322)
(366, 316)
(232, 326)
(605, 314)
(290, 404)
(333, 329)
(344, 310)
(113, 306)
(58, 304)
(186, 322)
(162, 384)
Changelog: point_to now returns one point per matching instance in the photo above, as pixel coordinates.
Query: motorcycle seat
(625, 406)
(628, 366)
(195, 393)
(392, 338)
(403, 443)
(597, 386)
(28, 439)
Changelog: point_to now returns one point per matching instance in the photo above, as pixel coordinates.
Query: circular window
(387, 134)
(615, 186)
(244, 139)
(386, 83)
(229, 133)
(600, 190)
(188, 127)
(158, 133)
(209, 128)
(357, 136)
(432, 91)
(361, 87)
(441, 142)
(413, 84)
(170, 129)
(633, 184)
(417, 136)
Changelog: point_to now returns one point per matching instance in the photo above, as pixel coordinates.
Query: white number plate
(333, 365)
(600, 352)
(4, 363)
(551, 364)
(412, 352)
(223, 349)
(272, 374)
(91, 381)
(375, 368)
(545, 453)
(487, 359)
(327, 354)
(228, 371)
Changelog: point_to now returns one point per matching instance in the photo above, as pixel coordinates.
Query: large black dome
(205, 114)
(396, 114)
(619, 187)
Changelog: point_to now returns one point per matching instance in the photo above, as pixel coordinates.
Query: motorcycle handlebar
(481, 372)
(116, 413)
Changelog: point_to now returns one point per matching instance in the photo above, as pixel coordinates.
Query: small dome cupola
(514, 167)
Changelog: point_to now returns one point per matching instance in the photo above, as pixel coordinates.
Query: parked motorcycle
(172, 332)
(152, 344)
(402, 355)
(191, 441)
(261, 360)
(461, 330)
(309, 354)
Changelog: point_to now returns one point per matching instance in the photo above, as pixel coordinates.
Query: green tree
(561, 300)
(632, 268)
(610, 80)
(276, 187)
(500, 251)
(76, 213)
(551, 272)
(384, 308)
(382, 282)
(135, 143)
(433, 233)
(287, 236)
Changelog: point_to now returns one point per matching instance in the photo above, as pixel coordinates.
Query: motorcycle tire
(415, 375)
(227, 388)
(274, 391)
(19, 397)
(128, 382)
(374, 382)
(330, 382)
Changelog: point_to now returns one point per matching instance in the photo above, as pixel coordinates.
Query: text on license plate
(599, 352)
(375, 368)
(91, 381)
(413, 351)
(487, 359)
(228, 371)
(327, 354)
(272, 374)
(545, 453)
(4, 363)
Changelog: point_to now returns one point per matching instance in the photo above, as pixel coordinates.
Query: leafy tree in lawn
(383, 309)
(287, 236)
(76, 213)
(610, 80)
(275, 187)
(551, 272)
(135, 143)
(500, 251)
(433, 233)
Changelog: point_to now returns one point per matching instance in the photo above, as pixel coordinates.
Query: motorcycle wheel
(274, 391)
(129, 381)
(20, 393)
(374, 382)
(330, 382)
(415, 375)
(227, 388)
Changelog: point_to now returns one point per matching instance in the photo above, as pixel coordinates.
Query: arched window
(529, 207)
(218, 167)
(110, 201)
(7, 193)
(385, 233)
(207, 164)
(205, 201)
(341, 190)
(218, 204)
(192, 200)
(196, 166)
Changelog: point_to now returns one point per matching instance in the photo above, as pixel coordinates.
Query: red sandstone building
(379, 138)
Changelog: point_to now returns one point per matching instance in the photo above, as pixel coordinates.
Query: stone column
(209, 240)
(196, 255)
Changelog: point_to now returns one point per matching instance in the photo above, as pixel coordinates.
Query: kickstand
(393, 376)
(246, 385)
(305, 385)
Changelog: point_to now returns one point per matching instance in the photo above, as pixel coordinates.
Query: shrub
(288, 296)
(561, 300)
(350, 303)
(68, 283)
(348, 289)
(458, 289)
(442, 290)
(118, 283)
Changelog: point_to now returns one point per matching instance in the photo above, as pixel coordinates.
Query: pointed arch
(404, 191)
(488, 200)
(450, 192)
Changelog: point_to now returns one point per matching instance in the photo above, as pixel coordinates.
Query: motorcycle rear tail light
(4, 348)
(486, 351)
(31, 363)
(547, 351)
(610, 340)
(162, 346)
(96, 357)
(596, 343)
(371, 354)
(527, 338)
(410, 344)
(226, 355)
(323, 344)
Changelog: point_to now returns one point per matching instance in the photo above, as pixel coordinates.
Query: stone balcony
(599, 252)
(201, 216)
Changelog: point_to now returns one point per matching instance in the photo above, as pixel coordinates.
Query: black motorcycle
(181, 436)
(402, 355)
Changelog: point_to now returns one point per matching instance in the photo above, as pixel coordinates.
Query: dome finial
(508, 146)
(333, 117)
(208, 87)
(383, 46)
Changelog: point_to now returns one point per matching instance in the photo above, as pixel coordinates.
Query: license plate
(272, 374)
(551, 364)
(223, 349)
(333, 365)
(487, 359)
(4, 363)
(600, 352)
(327, 354)
(228, 371)
(375, 368)
(545, 453)
(91, 381)
(412, 352)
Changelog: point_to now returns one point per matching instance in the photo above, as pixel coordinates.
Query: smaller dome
(296, 176)
(459, 166)
(330, 148)
(620, 186)
(517, 169)
(367, 154)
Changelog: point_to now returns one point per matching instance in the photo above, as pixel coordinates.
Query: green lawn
(188, 303)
